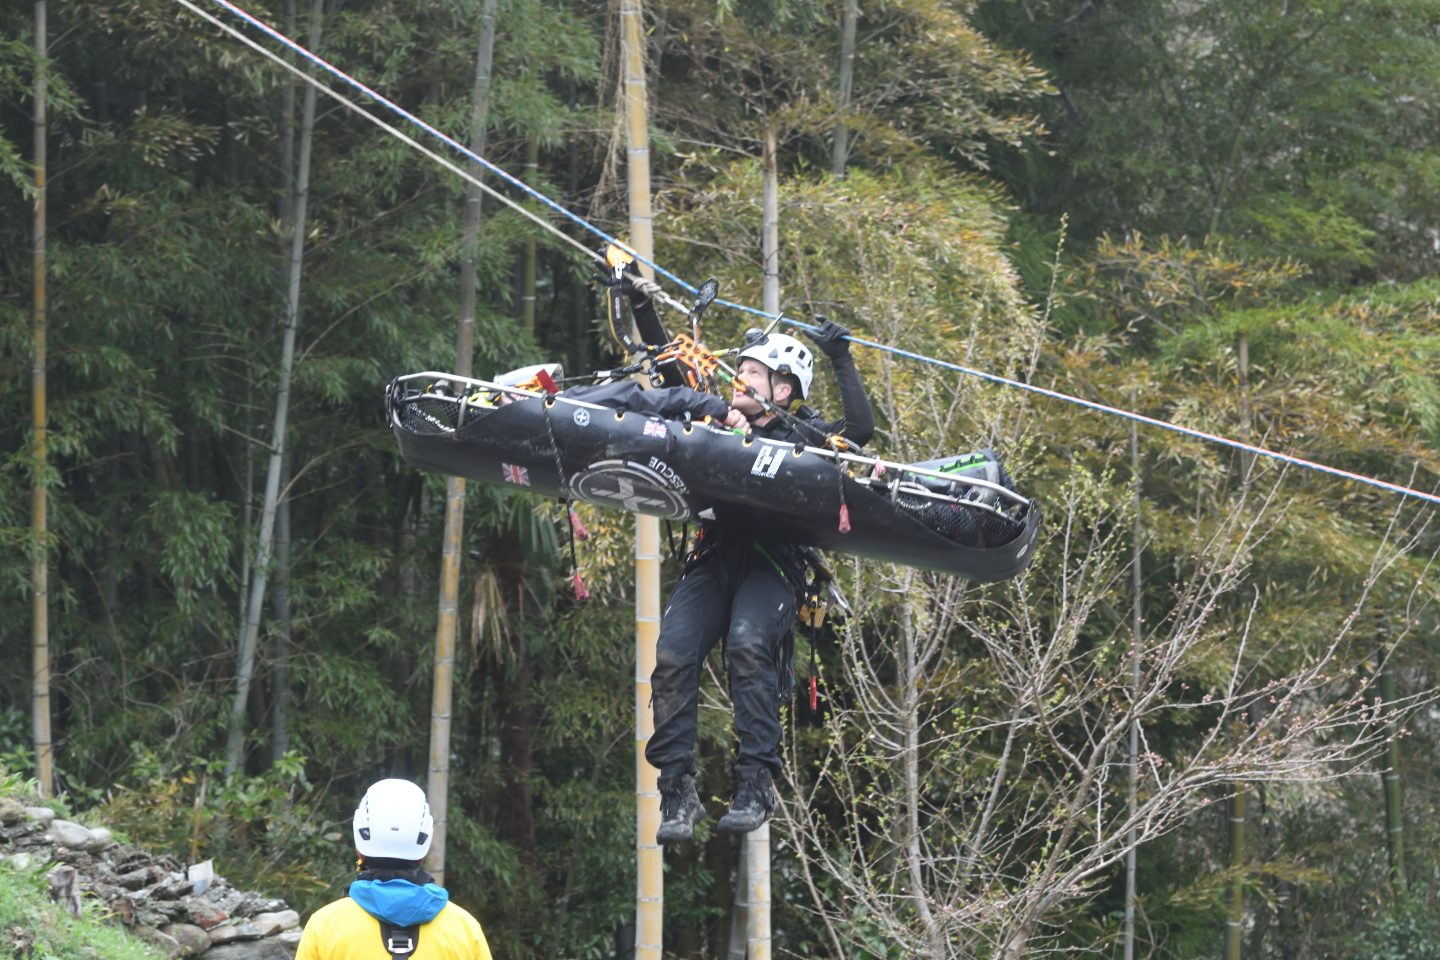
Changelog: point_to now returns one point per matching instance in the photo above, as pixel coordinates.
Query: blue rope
(896, 351)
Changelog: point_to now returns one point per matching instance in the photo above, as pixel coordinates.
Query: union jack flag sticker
(655, 428)
(516, 475)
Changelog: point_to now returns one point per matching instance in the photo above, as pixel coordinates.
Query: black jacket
(672, 403)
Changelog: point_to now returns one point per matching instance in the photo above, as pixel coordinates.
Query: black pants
(736, 592)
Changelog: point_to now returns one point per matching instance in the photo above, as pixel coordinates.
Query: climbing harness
(399, 942)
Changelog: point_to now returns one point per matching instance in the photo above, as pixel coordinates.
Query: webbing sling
(399, 942)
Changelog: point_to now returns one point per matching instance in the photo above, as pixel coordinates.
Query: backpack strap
(399, 942)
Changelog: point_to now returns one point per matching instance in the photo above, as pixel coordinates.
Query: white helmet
(783, 354)
(393, 821)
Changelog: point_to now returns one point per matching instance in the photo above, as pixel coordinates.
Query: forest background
(1223, 214)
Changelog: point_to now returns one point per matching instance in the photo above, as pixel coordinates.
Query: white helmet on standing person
(783, 354)
(393, 821)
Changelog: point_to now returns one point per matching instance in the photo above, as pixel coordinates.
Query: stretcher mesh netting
(966, 525)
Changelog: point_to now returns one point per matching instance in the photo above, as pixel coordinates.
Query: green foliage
(1330, 377)
(1379, 355)
(264, 832)
(1150, 287)
(1287, 128)
(1409, 931)
(16, 72)
(927, 83)
(1230, 169)
(17, 751)
(1331, 241)
(36, 928)
(195, 540)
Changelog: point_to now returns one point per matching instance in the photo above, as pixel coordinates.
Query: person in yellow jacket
(395, 909)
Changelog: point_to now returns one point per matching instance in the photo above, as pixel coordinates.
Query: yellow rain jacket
(348, 929)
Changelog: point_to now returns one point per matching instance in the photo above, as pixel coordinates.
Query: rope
(397, 133)
(444, 138)
(1141, 418)
(411, 118)
(771, 318)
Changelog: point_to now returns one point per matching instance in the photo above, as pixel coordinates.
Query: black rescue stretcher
(956, 515)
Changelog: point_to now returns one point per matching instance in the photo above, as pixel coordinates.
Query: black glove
(831, 339)
(627, 284)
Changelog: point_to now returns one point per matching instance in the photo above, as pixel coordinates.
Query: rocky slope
(154, 896)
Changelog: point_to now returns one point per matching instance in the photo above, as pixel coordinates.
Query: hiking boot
(680, 809)
(754, 802)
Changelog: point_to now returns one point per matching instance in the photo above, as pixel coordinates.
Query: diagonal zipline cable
(400, 134)
(1150, 421)
(584, 224)
(411, 118)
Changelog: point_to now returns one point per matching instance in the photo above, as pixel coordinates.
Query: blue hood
(399, 901)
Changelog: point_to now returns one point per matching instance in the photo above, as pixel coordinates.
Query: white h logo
(767, 462)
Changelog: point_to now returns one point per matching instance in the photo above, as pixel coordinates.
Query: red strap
(577, 527)
(814, 694)
(844, 518)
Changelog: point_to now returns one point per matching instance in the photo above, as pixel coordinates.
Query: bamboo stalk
(39, 513)
(1136, 621)
(437, 784)
(739, 914)
(757, 893)
(757, 842)
(1242, 370)
(750, 916)
(280, 604)
(250, 628)
(649, 875)
(528, 271)
(1235, 909)
(1391, 783)
(284, 639)
(840, 151)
